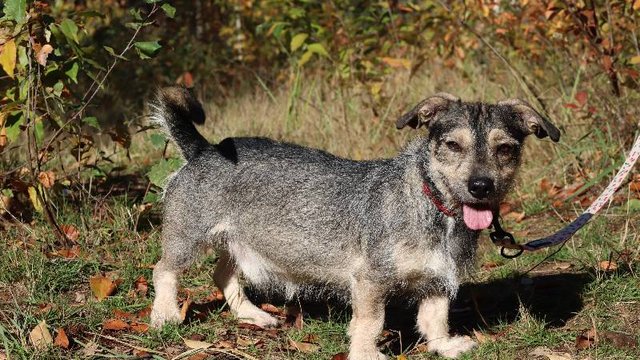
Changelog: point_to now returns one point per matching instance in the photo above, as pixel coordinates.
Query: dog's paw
(257, 317)
(159, 318)
(452, 347)
(367, 355)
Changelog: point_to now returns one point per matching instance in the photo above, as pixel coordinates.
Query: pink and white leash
(567, 232)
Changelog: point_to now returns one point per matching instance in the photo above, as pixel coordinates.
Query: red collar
(443, 209)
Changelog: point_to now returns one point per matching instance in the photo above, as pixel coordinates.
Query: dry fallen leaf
(42, 55)
(515, 216)
(195, 344)
(61, 339)
(245, 341)
(586, 339)
(47, 179)
(70, 231)
(270, 308)
(90, 349)
(340, 356)
(482, 337)
(185, 308)
(545, 352)
(102, 286)
(303, 346)
(68, 253)
(40, 336)
(607, 265)
(139, 327)
(561, 265)
(401, 357)
(198, 356)
(490, 265)
(115, 324)
(141, 285)
(119, 314)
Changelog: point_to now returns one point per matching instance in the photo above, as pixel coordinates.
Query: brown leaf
(141, 285)
(144, 312)
(340, 356)
(42, 55)
(607, 265)
(47, 179)
(198, 356)
(119, 314)
(561, 265)
(490, 265)
(515, 216)
(635, 185)
(483, 337)
(70, 231)
(40, 336)
(245, 341)
(68, 253)
(101, 286)
(581, 97)
(303, 346)
(586, 339)
(549, 354)
(115, 324)
(271, 309)
(139, 327)
(397, 63)
(185, 308)
(61, 339)
(142, 354)
(311, 338)
(619, 340)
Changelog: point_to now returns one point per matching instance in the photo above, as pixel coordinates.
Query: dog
(288, 217)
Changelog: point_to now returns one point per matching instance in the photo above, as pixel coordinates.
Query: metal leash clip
(504, 239)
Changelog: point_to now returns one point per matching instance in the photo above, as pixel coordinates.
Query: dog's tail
(175, 109)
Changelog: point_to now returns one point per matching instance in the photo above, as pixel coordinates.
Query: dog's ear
(426, 110)
(532, 120)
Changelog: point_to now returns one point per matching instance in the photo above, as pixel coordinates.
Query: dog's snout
(480, 187)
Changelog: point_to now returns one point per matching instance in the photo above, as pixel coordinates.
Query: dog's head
(472, 150)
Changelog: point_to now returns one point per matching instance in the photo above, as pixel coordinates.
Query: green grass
(513, 310)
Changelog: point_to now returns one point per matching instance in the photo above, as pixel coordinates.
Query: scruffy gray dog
(287, 217)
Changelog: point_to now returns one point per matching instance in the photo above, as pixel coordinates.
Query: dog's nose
(480, 187)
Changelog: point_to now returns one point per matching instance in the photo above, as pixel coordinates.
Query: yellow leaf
(305, 58)
(8, 57)
(35, 201)
(297, 41)
(636, 5)
(396, 62)
(101, 286)
(40, 336)
(636, 59)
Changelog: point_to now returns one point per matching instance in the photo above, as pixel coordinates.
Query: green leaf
(72, 73)
(69, 29)
(318, 49)
(297, 41)
(158, 141)
(169, 10)
(38, 130)
(147, 49)
(15, 119)
(113, 53)
(91, 121)
(15, 10)
(160, 172)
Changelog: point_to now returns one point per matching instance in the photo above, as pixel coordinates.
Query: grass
(511, 311)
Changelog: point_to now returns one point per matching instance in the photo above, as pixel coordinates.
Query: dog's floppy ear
(533, 121)
(426, 110)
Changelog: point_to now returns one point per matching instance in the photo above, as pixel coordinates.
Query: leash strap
(507, 241)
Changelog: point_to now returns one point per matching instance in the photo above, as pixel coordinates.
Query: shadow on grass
(554, 298)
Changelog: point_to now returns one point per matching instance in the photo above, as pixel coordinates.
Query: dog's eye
(453, 146)
(505, 149)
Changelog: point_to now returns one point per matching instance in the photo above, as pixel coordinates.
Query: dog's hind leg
(226, 278)
(366, 322)
(178, 253)
(165, 282)
(433, 315)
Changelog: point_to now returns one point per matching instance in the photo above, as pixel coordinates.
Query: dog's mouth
(477, 218)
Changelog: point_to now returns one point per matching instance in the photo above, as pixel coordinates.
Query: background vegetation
(81, 168)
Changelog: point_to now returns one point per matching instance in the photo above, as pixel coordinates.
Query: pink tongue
(476, 219)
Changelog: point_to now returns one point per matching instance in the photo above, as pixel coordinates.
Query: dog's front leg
(366, 322)
(433, 324)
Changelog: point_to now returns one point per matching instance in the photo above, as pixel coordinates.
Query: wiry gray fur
(289, 217)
